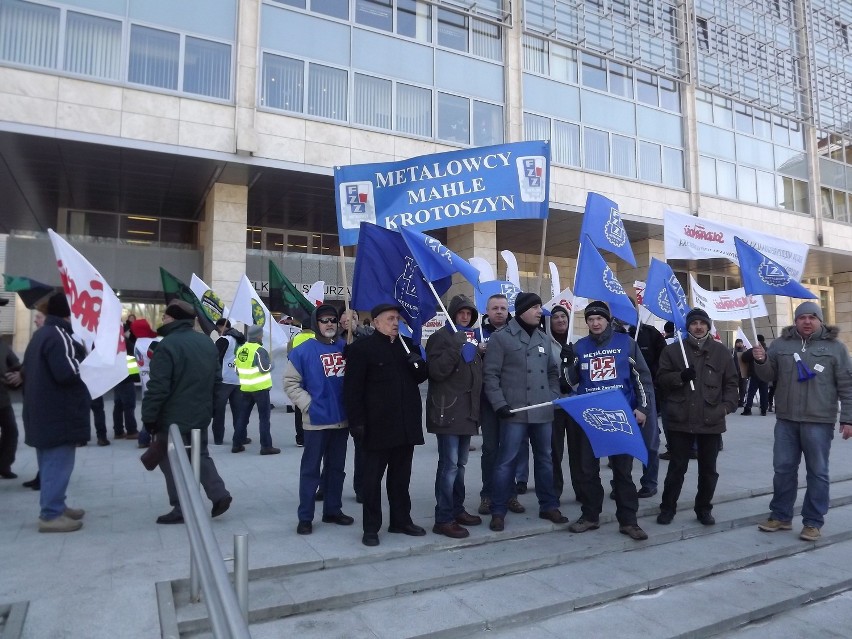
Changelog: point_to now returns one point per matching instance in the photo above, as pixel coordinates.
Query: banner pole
(346, 301)
(541, 257)
(753, 327)
(441, 304)
(518, 410)
(683, 352)
(573, 298)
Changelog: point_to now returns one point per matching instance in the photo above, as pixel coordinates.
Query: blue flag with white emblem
(436, 261)
(661, 287)
(596, 281)
(762, 275)
(387, 273)
(602, 222)
(608, 422)
(495, 287)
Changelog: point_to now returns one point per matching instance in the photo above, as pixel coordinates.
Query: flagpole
(541, 256)
(751, 319)
(683, 352)
(346, 301)
(441, 304)
(574, 297)
(543, 404)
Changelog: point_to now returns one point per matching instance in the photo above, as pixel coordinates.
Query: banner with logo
(501, 182)
(692, 238)
(211, 302)
(249, 309)
(727, 305)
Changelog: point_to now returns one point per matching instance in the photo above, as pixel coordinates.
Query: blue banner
(608, 422)
(435, 260)
(661, 286)
(502, 182)
(764, 276)
(602, 223)
(495, 287)
(595, 280)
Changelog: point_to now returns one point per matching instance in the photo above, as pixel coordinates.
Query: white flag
(727, 305)
(95, 318)
(250, 309)
(742, 336)
(486, 272)
(512, 273)
(209, 300)
(564, 299)
(316, 294)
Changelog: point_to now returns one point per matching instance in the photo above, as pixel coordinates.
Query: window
(563, 63)
(207, 68)
(747, 184)
(620, 80)
(29, 33)
(283, 83)
(623, 156)
(646, 88)
(726, 180)
(327, 89)
(487, 123)
(536, 127)
(566, 143)
(596, 150)
(486, 40)
(414, 19)
(93, 46)
(453, 118)
(333, 8)
(372, 102)
(375, 13)
(413, 110)
(594, 72)
(452, 30)
(702, 33)
(154, 56)
(650, 164)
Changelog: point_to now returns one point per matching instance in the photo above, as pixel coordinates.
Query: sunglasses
(327, 320)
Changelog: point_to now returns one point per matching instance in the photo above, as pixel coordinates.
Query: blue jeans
(449, 478)
(329, 447)
(264, 408)
(511, 436)
(54, 467)
(792, 440)
(522, 463)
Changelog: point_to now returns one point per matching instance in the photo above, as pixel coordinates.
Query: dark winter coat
(56, 401)
(185, 376)
(701, 411)
(8, 364)
(455, 386)
(380, 392)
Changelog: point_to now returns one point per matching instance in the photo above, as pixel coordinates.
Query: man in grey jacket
(519, 371)
(812, 371)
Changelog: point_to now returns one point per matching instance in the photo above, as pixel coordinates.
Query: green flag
(286, 298)
(173, 288)
(30, 291)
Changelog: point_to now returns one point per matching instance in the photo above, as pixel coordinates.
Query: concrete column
(245, 93)
(223, 236)
(842, 283)
(472, 240)
(513, 76)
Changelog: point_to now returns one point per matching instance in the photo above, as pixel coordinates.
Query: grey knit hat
(808, 308)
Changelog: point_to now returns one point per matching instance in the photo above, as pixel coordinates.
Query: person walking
(811, 369)
(253, 368)
(230, 339)
(10, 377)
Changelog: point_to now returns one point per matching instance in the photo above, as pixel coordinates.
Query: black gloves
(150, 427)
(415, 360)
(460, 337)
(504, 412)
(687, 375)
(357, 431)
(567, 354)
(564, 386)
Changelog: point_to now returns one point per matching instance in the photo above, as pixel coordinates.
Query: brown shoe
(553, 515)
(450, 529)
(61, 524)
(466, 519)
(633, 531)
(132, 435)
(485, 506)
(74, 513)
(496, 523)
(515, 506)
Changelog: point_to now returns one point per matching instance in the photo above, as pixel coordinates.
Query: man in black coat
(382, 400)
(56, 412)
(10, 377)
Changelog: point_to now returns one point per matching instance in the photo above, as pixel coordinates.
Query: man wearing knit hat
(602, 361)
(253, 369)
(184, 378)
(699, 394)
(56, 412)
(812, 372)
(520, 371)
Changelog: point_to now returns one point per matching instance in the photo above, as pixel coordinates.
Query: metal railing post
(195, 456)
(241, 572)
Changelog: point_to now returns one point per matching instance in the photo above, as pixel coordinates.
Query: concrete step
(502, 579)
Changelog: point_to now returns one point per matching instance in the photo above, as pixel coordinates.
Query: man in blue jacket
(56, 412)
(313, 381)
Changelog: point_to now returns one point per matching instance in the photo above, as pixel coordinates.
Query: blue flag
(386, 272)
(495, 287)
(661, 287)
(596, 281)
(764, 276)
(435, 260)
(608, 422)
(602, 222)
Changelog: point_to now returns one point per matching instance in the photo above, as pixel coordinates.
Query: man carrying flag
(812, 372)
(695, 415)
(602, 361)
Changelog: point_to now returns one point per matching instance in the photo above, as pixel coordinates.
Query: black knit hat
(597, 308)
(57, 305)
(559, 309)
(525, 301)
(698, 314)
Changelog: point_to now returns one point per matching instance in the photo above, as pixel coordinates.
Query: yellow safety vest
(304, 336)
(251, 377)
(132, 365)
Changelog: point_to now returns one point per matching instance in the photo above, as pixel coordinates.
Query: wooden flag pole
(541, 257)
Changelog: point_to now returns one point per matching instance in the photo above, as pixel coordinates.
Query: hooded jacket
(814, 400)
(313, 379)
(455, 386)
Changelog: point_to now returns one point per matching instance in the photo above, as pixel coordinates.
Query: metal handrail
(223, 608)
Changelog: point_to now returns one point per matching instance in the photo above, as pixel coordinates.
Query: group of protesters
(497, 376)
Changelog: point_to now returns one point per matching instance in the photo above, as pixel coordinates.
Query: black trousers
(559, 437)
(589, 488)
(100, 417)
(680, 446)
(397, 462)
(8, 438)
(227, 395)
(214, 486)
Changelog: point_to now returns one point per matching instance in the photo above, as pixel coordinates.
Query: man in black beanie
(520, 371)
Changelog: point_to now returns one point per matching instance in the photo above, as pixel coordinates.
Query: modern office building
(201, 135)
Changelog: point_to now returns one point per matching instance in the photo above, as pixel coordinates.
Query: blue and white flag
(602, 222)
(596, 281)
(764, 276)
(479, 184)
(608, 422)
(387, 273)
(661, 288)
(495, 287)
(436, 261)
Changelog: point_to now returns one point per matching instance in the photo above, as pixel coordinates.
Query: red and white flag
(95, 318)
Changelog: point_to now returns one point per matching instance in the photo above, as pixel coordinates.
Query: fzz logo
(602, 368)
(333, 364)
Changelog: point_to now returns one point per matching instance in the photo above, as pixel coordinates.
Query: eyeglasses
(327, 320)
